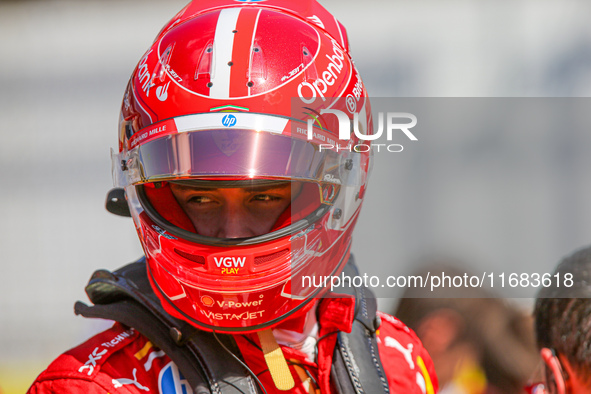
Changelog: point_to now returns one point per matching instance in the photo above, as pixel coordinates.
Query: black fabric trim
(356, 357)
(126, 296)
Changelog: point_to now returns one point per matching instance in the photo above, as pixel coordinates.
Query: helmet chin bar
(293, 228)
(162, 296)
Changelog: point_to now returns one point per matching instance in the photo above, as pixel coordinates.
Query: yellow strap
(275, 361)
(428, 383)
(142, 353)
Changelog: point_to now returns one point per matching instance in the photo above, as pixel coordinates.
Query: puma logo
(406, 351)
(120, 382)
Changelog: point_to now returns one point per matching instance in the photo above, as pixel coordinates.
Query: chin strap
(275, 361)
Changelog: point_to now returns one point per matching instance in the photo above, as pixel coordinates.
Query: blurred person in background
(234, 202)
(479, 344)
(563, 328)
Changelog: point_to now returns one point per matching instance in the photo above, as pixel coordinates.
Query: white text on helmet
(233, 316)
(230, 261)
(326, 78)
(144, 74)
(233, 304)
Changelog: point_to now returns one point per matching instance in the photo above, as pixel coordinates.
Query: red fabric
(124, 361)
(393, 335)
(336, 314)
(250, 347)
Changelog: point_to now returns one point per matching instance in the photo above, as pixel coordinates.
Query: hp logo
(229, 120)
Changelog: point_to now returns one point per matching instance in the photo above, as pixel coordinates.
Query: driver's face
(235, 212)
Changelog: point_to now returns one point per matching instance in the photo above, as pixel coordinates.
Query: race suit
(121, 360)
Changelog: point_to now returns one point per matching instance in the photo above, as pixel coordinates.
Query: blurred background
(515, 203)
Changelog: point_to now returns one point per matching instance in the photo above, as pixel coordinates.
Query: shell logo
(207, 300)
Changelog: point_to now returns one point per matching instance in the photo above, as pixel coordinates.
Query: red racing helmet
(236, 94)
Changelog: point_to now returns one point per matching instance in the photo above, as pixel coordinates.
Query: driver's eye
(265, 197)
(200, 200)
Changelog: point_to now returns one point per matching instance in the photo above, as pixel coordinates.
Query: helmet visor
(235, 153)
